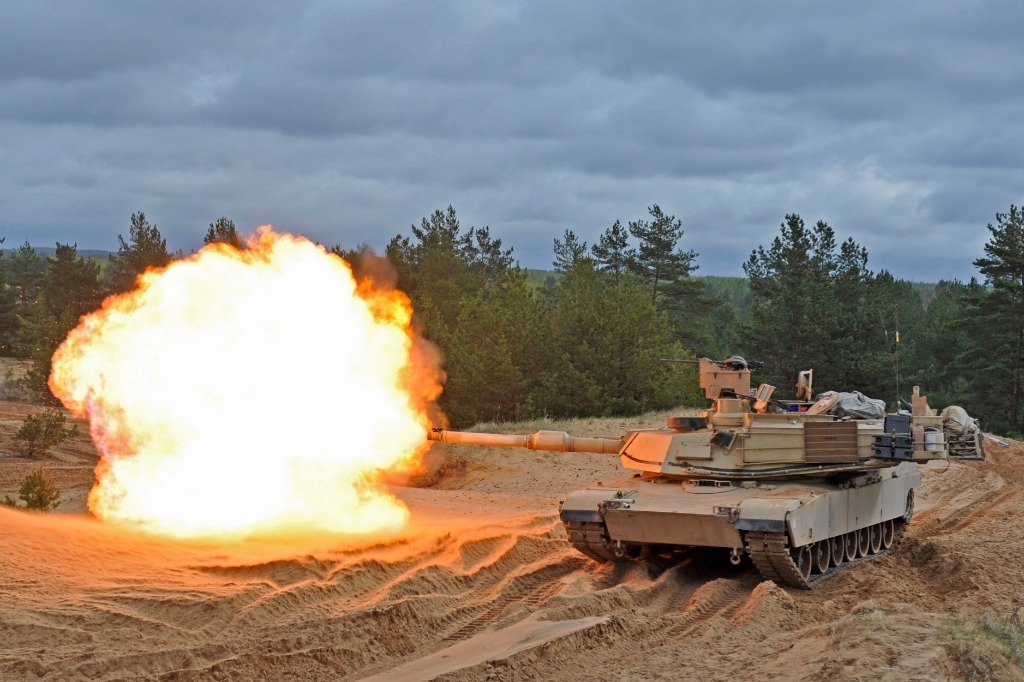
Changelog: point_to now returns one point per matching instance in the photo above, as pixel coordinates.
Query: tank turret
(800, 487)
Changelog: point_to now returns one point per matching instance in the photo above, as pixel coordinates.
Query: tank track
(774, 559)
(770, 553)
(591, 539)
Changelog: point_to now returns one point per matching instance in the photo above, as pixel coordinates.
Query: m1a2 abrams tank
(798, 490)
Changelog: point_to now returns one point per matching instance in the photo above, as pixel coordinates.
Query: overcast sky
(899, 124)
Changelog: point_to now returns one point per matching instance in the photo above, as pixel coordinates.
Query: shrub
(37, 491)
(40, 432)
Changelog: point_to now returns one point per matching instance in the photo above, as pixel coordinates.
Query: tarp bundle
(956, 420)
(854, 405)
(963, 435)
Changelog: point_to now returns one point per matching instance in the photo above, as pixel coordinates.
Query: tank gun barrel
(551, 441)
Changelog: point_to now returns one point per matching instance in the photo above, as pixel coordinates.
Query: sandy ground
(483, 585)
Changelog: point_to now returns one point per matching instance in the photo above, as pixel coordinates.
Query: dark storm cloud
(900, 125)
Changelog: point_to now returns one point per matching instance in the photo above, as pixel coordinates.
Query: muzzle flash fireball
(215, 393)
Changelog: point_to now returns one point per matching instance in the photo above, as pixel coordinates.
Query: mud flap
(580, 516)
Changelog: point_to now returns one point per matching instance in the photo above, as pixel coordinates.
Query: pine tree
(998, 352)
(811, 307)
(607, 340)
(568, 251)
(71, 283)
(945, 345)
(223, 232)
(667, 269)
(145, 249)
(8, 310)
(441, 264)
(612, 249)
(70, 290)
(497, 360)
(656, 258)
(26, 272)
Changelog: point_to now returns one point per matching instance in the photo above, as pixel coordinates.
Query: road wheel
(863, 542)
(822, 551)
(837, 549)
(850, 546)
(888, 533)
(804, 560)
(875, 533)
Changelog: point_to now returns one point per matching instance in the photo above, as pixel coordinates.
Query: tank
(801, 488)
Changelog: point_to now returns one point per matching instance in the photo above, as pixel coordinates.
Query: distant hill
(542, 278)
(101, 258)
(732, 290)
(49, 252)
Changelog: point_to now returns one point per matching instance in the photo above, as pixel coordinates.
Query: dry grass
(986, 648)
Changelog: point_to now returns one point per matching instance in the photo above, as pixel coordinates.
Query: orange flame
(247, 391)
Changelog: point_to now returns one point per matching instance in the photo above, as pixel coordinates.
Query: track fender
(765, 514)
(805, 519)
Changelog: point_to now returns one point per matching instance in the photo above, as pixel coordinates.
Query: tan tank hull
(639, 516)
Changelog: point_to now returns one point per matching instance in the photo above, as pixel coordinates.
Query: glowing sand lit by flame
(249, 391)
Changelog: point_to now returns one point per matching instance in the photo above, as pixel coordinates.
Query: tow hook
(736, 556)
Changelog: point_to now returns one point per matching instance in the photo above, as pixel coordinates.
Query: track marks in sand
(674, 611)
(476, 582)
(966, 497)
(170, 662)
(476, 553)
(281, 573)
(526, 591)
(990, 507)
(969, 527)
(488, 648)
(25, 635)
(187, 611)
(720, 598)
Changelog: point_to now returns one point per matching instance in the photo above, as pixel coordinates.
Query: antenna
(896, 312)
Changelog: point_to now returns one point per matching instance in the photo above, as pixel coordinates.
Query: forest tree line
(42, 298)
(590, 339)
